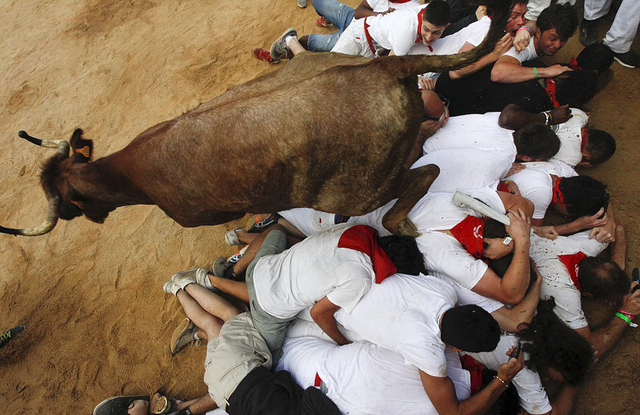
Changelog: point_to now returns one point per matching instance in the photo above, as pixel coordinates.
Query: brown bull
(328, 131)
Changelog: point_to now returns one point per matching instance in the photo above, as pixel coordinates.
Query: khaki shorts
(237, 351)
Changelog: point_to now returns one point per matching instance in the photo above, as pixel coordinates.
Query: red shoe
(263, 55)
(322, 22)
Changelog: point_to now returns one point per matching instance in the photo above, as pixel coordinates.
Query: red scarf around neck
(364, 239)
(572, 262)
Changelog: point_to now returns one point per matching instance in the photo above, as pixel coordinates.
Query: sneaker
(589, 32)
(183, 335)
(117, 404)
(170, 288)
(224, 269)
(233, 259)
(262, 54)
(10, 334)
(262, 222)
(279, 47)
(184, 278)
(232, 237)
(628, 60)
(323, 22)
(302, 3)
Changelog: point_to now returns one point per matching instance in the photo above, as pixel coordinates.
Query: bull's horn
(47, 225)
(61, 145)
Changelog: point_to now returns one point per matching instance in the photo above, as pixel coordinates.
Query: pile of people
(324, 313)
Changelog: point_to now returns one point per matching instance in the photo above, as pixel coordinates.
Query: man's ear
(524, 158)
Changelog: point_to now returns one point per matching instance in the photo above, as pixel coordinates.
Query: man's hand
(503, 46)
(481, 11)
(554, 70)
(426, 83)
(515, 168)
(548, 232)
(390, 10)
(603, 229)
(509, 370)
(429, 127)
(560, 114)
(520, 226)
(631, 301)
(522, 39)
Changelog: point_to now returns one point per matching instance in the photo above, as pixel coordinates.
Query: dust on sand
(98, 322)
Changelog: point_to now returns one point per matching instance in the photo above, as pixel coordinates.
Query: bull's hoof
(407, 228)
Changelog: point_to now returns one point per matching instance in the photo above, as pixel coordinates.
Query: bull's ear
(82, 149)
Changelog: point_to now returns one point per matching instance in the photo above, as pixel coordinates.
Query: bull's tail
(412, 65)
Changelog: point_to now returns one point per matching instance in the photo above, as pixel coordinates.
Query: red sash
(368, 36)
(470, 233)
(572, 262)
(551, 91)
(558, 197)
(363, 238)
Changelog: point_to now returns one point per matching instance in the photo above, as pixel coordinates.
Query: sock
(288, 39)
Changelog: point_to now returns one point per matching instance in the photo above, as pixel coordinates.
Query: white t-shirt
(397, 31)
(473, 131)
(451, 44)
(362, 378)
(380, 6)
(298, 277)
(533, 397)
(570, 135)
(402, 314)
(556, 281)
(529, 53)
(555, 167)
(537, 186)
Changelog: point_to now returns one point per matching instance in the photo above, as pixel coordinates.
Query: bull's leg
(414, 186)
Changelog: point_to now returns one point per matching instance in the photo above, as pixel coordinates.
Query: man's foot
(10, 334)
(279, 47)
(302, 3)
(232, 237)
(589, 32)
(262, 54)
(262, 222)
(184, 278)
(170, 288)
(628, 60)
(223, 269)
(323, 22)
(183, 335)
(117, 404)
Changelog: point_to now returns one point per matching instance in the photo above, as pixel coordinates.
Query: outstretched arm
(500, 49)
(508, 70)
(514, 117)
(322, 313)
(510, 319)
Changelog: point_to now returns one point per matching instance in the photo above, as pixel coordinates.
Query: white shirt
(537, 186)
(555, 167)
(556, 281)
(397, 31)
(298, 277)
(362, 378)
(570, 135)
(380, 6)
(529, 53)
(451, 44)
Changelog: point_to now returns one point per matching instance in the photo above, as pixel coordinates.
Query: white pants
(624, 27)
(535, 7)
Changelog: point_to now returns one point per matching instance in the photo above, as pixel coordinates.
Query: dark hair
(600, 145)
(552, 344)
(596, 57)
(513, 4)
(508, 403)
(537, 141)
(437, 13)
(602, 278)
(404, 253)
(470, 328)
(576, 88)
(562, 17)
(582, 195)
(494, 229)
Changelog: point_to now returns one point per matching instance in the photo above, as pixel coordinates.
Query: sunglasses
(446, 103)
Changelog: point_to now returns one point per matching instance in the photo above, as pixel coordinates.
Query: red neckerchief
(502, 187)
(551, 91)
(399, 1)
(475, 371)
(573, 64)
(572, 262)
(558, 197)
(584, 132)
(364, 239)
(469, 233)
(419, 38)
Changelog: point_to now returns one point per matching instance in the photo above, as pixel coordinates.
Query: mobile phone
(516, 352)
(636, 277)
(605, 205)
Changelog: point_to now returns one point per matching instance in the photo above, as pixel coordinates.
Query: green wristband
(535, 72)
(625, 319)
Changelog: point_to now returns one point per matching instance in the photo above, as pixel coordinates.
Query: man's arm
(510, 319)
(442, 394)
(563, 402)
(508, 70)
(500, 49)
(513, 117)
(322, 313)
(603, 339)
(364, 10)
(511, 288)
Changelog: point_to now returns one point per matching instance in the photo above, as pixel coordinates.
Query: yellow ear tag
(84, 151)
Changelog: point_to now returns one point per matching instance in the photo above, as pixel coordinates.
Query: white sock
(288, 39)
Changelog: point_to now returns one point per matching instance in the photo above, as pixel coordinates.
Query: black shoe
(628, 60)
(223, 269)
(10, 334)
(117, 404)
(589, 32)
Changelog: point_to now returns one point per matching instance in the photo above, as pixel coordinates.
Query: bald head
(433, 105)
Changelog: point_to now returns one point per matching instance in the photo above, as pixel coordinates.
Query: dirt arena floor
(98, 323)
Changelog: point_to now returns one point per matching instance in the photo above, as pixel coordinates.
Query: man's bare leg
(250, 254)
(207, 322)
(201, 405)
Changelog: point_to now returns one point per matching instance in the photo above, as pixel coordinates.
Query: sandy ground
(98, 323)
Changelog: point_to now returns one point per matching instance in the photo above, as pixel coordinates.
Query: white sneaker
(184, 278)
(302, 3)
(170, 288)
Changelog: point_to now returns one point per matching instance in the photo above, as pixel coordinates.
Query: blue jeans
(337, 13)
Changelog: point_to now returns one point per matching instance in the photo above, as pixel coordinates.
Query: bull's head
(61, 198)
